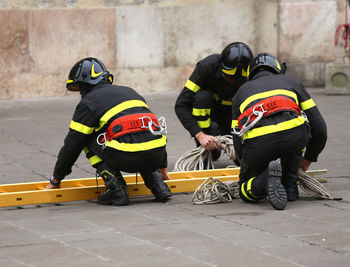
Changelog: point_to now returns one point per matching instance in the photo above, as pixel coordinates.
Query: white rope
(215, 191)
(313, 187)
(199, 158)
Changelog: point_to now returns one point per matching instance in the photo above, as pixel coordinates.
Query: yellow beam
(84, 189)
(89, 188)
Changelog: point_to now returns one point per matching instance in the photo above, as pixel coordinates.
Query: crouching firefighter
(117, 131)
(274, 119)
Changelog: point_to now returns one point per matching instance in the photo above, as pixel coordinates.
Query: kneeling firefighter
(117, 131)
(274, 119)
(204, 104)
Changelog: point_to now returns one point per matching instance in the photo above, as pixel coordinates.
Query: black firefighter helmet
(265, 61)
(88, 70)
(235, 59)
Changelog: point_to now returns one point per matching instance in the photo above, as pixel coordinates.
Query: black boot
(292, 192)
(274, 188)
(290, 177)
(154, 181)
(116, 191)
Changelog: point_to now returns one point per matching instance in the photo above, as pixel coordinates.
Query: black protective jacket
(206, 76)
(266, 84)
(96, 110)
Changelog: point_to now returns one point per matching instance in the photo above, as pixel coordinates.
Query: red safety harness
(130, 124)
(267, 106)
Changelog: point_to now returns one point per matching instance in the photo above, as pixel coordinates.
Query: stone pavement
(308, 232)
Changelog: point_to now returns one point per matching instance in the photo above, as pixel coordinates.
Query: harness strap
(268, 106)
(130, 124)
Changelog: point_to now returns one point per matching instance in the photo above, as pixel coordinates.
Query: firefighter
(274, 119)
(204, 105)
(117, 131)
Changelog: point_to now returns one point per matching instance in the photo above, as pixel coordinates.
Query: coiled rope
(214, 191)
(200, 159)
(313, 187)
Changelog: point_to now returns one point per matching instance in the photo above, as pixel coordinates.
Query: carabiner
(103, 140)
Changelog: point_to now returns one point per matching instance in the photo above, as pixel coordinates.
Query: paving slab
(308, 232)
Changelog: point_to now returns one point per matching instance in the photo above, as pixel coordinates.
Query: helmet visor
(72, 86)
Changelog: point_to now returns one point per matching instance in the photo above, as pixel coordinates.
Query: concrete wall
(153, 45)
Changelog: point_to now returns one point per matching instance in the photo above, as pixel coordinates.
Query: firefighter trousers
(259, 152)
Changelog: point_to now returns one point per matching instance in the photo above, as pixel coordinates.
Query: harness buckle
(162, 128)
(103, 139)
(144, 123)
(257, 112)
(248, 124)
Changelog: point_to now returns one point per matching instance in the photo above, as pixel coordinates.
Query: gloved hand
(54, 184)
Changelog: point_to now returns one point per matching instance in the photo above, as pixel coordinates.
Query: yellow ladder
(88, 188)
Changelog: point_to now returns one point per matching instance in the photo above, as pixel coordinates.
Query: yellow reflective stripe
(81, 127)
(267, 94)
(226, 102)
(249, 187)
(234, 123)
(192, 86)
(278, 65)
(93, 73)
(118, 108)
(245, 193)
(286, 125)
(85, 149)
(307, 104)
(230, 72)
(245, 73)
(200, 111)
(69, 81)
(138, 146)
(204, 124)
(94, 159)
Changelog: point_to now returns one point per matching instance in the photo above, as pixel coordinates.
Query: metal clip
(256, 112)
(103, 144)
(248, 125)
(162, 125)
(144, 123)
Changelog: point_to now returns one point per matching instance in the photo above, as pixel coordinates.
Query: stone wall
(154, 45)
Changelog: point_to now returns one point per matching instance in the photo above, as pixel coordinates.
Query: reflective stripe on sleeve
(307, 104)
(81, 128)
(192, 86)
(226, 103)
(200, 111)
(204, 124)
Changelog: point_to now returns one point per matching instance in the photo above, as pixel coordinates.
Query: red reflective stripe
(130, 124)
(271, 105)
